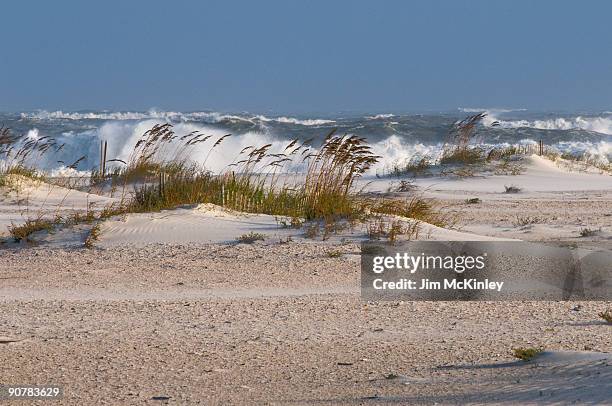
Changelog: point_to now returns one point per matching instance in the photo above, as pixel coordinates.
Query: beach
(306, 203)
(167, 307)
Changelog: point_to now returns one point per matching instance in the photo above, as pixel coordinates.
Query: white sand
(277, 324)
(541, 178)
(26, 198)
(559, 201)
(544, 183)
(213, 224)
(165, 307)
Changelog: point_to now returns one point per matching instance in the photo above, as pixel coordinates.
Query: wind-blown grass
(30, 226)
(162, 176)
(253, 183)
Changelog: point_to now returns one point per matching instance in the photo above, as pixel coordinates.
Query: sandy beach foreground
(167, 308)
(279, 324)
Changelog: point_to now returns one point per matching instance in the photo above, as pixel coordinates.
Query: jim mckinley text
(412, 263)
(446, 284)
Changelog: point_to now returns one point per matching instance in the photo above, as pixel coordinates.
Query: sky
(305, 56)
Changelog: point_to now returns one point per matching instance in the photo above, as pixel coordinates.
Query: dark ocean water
(396, 137)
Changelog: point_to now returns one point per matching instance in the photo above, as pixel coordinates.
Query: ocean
(395, 137)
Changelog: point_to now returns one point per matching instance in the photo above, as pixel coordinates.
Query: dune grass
(588, 232)
(512, 189)
(30, 226)
(253, 184)
(522, 221)
(250, 238)
(333, 254)
(416, 166)
(93, 236)
(161, 176)
(527, 353)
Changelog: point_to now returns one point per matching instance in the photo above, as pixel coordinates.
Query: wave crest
(203, 116)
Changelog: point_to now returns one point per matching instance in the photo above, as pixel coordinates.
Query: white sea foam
(123, 130)
(292, 120)
(380, 116)
(487, 110)
(601, 125)
(205, 116)
(122, 136)
(393, 151)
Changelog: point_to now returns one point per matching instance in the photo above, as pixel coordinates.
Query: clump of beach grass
(587, 160)
(527, 353)
(164, 178)
(522, 221)
(417, 208)
(417, 165)
(26, 172)
(333, 254)
(506, 167)
(20, 153)
(462, 155)
(251, 237)
(607, 316)
(93, 236)
(588, 232)
(405, 186)
(512, 189)
(457, 150)
(252, 184)
(23, 231)
(381, 227)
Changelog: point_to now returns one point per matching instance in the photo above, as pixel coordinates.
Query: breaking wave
(599, 124)
(202, 116)
(380, 116)
(395, 141)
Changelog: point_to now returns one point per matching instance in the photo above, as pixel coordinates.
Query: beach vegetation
(512, 189)
(20, 232)
(312, 230)
(607, 316)
(527, 353)
(162, 176)
(333, 254)
(391, 229)
(251, 237)
(417, 165)
(404, 186)
(93, 236)
(522, 221)
(588, 232)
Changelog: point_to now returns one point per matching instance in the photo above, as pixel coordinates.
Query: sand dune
(26, 198)
(213, 224)
(541, 178)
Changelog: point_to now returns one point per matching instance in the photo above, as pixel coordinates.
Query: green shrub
(526, 354)
(30, 226)
(251, 237)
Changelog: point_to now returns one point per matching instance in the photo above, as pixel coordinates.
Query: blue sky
(305, 56)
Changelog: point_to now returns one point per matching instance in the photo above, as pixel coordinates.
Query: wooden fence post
(103, 146)
(101, 158)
